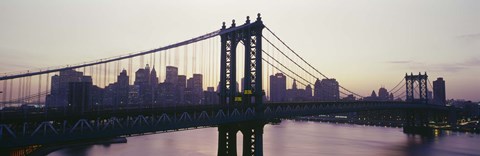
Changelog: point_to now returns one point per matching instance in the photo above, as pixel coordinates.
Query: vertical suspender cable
(194, 63)
(20, 82)
(46, 93)
(95, 72)
(130, 71)
(39, 88)
(160, 66)
(105, 75)
(141, 61)
(11, 91)
(210, 63)
(185, 61)
(201, 62)
(4, 94)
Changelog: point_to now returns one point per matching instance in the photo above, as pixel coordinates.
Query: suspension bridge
(234, 78)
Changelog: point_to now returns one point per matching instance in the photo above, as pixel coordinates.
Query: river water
(292, 138)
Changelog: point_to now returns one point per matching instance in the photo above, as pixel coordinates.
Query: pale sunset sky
(364, 44)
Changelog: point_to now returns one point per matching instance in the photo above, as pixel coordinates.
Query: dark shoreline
(52, 148)
(396, 125)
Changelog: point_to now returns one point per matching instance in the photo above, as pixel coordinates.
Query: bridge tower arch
(421, 90)
(248, 35)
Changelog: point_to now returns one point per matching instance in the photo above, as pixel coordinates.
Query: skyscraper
(146, 80)
(197, 81)
(153, 77)
(194, 91)
(197, 88)
(316, 90)
(79, 96)
(141, 77)
(327, 90)
(171, 75)
(210, 96)
(383, 94)
(308, 92)
(58, 96)
(439, 95)
(122, 88)
(181, 85)
(278, 87)
(297, 94)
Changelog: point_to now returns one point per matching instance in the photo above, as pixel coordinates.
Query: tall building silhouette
(308, 93)
(327, 90)
(122, 88)
(298, 94)
(171, 75)
(439, 94)
(153, 77)
(383, 94)
(116, 94)
(278, 87)
(210, 96)
(146, 81)
(194, 91)
(79, 96)
(316, 89)
(373, 95)
(142, 76)
(181, 85)
(58, 96)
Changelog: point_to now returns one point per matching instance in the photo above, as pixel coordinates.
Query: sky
(364, 44)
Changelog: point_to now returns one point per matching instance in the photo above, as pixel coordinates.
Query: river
(292, 138)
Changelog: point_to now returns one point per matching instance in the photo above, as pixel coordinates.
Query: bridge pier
(416, 122)
(227, 140)
(452, 117)
(252, 139)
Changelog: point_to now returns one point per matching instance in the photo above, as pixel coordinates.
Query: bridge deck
(22, 128)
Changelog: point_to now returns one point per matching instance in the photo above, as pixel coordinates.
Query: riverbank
(49, 149)
(395, 124)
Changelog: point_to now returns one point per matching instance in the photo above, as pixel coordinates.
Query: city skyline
(146, 77)
(284, 78)
(437, 37)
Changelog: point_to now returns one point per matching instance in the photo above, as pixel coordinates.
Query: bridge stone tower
(250, 36)
(422, 81)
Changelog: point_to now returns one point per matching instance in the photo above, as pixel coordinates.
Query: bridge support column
(416, 122)
(452, 117)
(253, 139)
(227, 140)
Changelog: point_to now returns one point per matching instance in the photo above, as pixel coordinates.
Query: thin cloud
(400, 62)
(472, 62)
(450, 68)
(453, 67)
(473, 36)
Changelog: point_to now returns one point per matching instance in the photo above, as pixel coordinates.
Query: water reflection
(295, 138)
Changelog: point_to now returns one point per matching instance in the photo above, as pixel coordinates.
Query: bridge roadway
(33, 127)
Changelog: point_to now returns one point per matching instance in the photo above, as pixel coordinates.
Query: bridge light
(238, 99)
